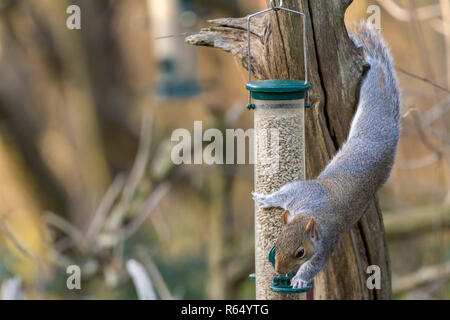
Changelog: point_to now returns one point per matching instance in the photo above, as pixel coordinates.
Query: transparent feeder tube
(280, 159)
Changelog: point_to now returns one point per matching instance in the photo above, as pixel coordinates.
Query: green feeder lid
(278, 89)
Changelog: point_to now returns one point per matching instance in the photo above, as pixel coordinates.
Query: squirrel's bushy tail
(369, 152)
(377, 53)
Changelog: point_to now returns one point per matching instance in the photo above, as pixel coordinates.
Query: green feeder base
(282, 284)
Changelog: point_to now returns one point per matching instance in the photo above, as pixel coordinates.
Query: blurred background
(86, 118)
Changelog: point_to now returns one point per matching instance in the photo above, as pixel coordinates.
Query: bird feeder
(176, 63)
(279, 122)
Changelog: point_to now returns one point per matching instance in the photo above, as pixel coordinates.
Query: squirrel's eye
(300, 253)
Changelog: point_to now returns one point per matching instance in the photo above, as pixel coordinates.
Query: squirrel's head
(295, 243)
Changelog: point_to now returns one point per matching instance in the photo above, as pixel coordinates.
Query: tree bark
(336, 70)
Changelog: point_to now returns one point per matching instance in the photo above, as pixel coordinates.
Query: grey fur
(340, 195)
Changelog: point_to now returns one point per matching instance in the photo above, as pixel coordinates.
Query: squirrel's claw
(298, 283)
(258, 196)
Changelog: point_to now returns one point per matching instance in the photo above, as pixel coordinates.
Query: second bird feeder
(279, 122)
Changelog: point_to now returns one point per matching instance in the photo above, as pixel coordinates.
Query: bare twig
(416, 222)
(421, 277)
(39, 264)
(76, 236)
(439, 26)
(436, 112)
(141, 280)
(12, 289)
(409, 111)
(155, 275)
(142, 157)
(239, 70)
(422, 121)
(137, 172)
(421, 44)
(445, 9)
(414, 112)
(104, 208)
(152, 201)
(179, 35)
(59, 260)
(422, 79)
(402, 14)
(420, 163)
(161, 227)
(4, 227)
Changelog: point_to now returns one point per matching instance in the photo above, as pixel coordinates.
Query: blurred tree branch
(421, 277)
(416, 222)
(423, 13)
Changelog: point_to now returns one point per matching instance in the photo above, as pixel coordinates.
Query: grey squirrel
(318, 212)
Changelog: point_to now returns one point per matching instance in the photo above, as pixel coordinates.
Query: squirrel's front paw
(298, 283)
(266, 201)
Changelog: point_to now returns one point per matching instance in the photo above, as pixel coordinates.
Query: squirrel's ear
(310, 226)
(311, 229)
(286, 217)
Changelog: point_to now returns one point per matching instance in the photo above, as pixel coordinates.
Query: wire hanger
(273, 7)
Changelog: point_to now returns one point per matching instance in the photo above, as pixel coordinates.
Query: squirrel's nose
(277, 269)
